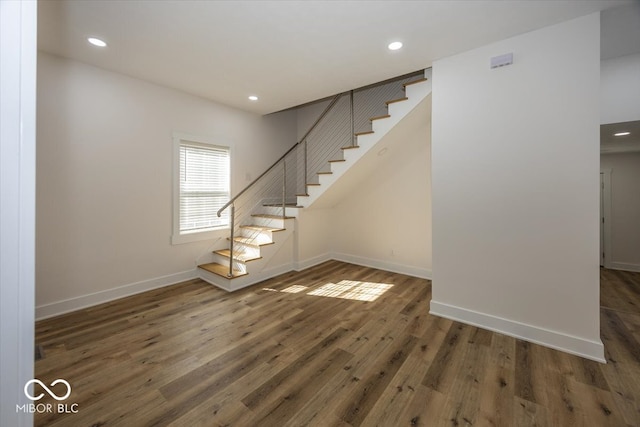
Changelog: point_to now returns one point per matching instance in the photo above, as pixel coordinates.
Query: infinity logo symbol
(52, 394)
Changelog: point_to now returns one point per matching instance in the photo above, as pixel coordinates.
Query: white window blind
(204, 186)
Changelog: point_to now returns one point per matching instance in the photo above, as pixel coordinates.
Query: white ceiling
(286, 52)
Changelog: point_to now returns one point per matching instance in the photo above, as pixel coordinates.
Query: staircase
(267, 209)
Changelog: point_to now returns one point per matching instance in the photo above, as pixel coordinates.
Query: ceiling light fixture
(395, 45)
(253, 98)
(622, 134)
(97, 42)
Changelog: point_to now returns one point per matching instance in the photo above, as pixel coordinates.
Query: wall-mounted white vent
(502, 60)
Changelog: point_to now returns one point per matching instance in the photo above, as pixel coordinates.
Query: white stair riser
(251, 251)
(419, 90)
(260, 237)
(314, 191)
(269, 222)
(366, 140)
(223, 260)
(274, 210)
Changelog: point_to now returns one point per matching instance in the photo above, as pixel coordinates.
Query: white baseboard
(72, 304)
(311, 262)
(588, 349)
(261, 276)
(254, 278)
(409, 270)
(624, 266)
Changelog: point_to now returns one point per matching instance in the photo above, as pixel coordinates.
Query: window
(202, 188)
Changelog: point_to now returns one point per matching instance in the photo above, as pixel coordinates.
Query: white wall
(312, 239)
(620, 89)
(515, 157)
(386, 223)
(18, 28)
(625, 209)
(104, 179)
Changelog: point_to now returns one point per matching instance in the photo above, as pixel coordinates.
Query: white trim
(624, 266)
(18, 51)
(263, 275)
(593, 350)
(311, 262)
(255, 278)
(409, 270)
(214, 279)
(84, 301)
(606, 193)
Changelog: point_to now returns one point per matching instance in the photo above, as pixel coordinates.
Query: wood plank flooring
(273, 355)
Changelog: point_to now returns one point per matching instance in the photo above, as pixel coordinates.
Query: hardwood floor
(273, 355)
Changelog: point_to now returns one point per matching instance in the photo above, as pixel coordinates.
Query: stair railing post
(284, 187)
(305, 165)
(353, 130)
(233, 215)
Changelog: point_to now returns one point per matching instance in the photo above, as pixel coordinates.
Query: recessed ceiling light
(96, 42)
(253, 98)
(395, 45)
(622, 134)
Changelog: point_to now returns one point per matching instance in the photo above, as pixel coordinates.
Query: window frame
(178, 237)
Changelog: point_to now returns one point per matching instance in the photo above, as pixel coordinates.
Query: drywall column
(515, 187)
(18, 28)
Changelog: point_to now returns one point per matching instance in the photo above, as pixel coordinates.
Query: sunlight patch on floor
(345, 289)
(350, 289)
(294, 289)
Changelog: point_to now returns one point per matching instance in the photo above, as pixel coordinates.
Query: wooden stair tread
(302, 195)
(337, 160)
(262, 228)
(313, 185)
(268, 216)
(221, 270)
(240, 256)
(324, 173)
(366, 132)
(386, 116)
(350, 147)
(396, 100)
(424, 79)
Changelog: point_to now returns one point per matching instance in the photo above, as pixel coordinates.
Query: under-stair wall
(386, 222)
